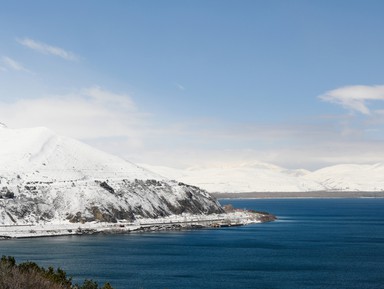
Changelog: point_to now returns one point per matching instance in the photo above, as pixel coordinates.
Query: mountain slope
(248, 177)
(46, 177)
(262, 177)
(350, 177)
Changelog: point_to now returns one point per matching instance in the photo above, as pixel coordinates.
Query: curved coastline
(176, 222)
(300, 195)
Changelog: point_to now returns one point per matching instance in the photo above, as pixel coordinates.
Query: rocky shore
(314, 194)
(175, 222)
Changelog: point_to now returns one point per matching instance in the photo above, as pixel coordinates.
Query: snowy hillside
(249, 177)
(262, 177)
(350, 177)
(45, 177)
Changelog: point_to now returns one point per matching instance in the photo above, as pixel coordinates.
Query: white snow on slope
(350, 177)
(262, 177)
(248, 177)
(49, 178)
(39, 154)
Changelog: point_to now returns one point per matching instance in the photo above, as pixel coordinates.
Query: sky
(295, 83)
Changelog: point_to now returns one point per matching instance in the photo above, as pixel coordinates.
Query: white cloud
(309, 146)
(179, 86)
(112, 122)
(355, 97)
(47, 49)
(86, 114)
(104, 97)
(309, 157)
(12, 64)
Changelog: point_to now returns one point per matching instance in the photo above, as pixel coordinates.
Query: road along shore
(175, 222)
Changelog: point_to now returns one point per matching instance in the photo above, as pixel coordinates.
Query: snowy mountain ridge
(262, 177)
(49, 178)
(39, 154)
(351, 177)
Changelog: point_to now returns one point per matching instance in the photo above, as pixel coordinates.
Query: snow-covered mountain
(46, 177)
(350, 177)
(247, 177)
(262, 177)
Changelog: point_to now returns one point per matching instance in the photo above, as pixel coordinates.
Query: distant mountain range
(49, 178)
(263, 177)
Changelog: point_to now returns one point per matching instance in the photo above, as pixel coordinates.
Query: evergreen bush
(29, 275)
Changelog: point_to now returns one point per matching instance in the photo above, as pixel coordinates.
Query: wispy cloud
(85, 114)
(355, 97)
(47, 49)
(12, 64)
(179, 86)
(105, 97)
(112, 122)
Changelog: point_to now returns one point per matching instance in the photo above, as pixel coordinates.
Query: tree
(29, 275)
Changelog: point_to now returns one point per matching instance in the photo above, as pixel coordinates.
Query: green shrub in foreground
(29, 275)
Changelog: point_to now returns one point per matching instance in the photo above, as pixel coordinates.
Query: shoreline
(299, 195)
(171, 223)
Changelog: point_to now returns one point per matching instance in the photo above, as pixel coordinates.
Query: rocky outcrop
(101, 200)
(49, 178)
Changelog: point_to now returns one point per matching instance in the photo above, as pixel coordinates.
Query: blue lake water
(316, 243)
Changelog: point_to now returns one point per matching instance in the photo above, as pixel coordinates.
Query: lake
(316, 243)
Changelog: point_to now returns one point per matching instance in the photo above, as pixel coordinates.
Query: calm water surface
(317, 243)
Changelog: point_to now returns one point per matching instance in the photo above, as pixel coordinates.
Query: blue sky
(183, 83)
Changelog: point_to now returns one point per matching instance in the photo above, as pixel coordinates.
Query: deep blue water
(316, 243)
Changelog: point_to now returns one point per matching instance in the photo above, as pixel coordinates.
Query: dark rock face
(107, 187)
(162, 201)
(5, 193)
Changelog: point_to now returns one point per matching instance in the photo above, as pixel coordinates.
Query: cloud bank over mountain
(195, 85)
